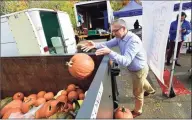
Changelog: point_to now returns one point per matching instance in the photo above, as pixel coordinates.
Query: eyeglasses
(114, 31)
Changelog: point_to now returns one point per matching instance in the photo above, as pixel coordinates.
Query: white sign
(157, 16)
(97, 102)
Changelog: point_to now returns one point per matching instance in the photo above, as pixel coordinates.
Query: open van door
(76, 15)
(8, 44)
(23, 32)
(110, 12)
(110, 15)
(67, 32)
(36, 19)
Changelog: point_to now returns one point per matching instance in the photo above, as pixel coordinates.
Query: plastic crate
(56, 41)
(92, 32)
(59, 50)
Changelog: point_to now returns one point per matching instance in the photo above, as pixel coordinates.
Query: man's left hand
(184, 30)
(103, 51)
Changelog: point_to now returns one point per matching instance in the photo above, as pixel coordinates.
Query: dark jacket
(173, 30)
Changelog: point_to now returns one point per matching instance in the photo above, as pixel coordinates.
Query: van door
(110, 12)
(23, 31)
(76, 15)
(8, 44)
(36, 19)
(67, 31)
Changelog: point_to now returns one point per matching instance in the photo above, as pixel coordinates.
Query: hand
(183, 30)
(88, 46)
(103, 51)
(110, 62)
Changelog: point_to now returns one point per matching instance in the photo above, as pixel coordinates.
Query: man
(136, 24)
(132, 56)
(184, 30)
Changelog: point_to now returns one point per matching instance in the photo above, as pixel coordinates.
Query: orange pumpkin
(39, 101)
(64, 92)
(123, 113)
(70, 88)
(49, 108)
(12, 104)
(62, 98)
(33, 96)
(81, 96)
(79, 91)
(10, 111)
(41, 94)
(25, 107)
(81, 66)
(72, 96)
(49, 96)
(18, 96)
(30, 100)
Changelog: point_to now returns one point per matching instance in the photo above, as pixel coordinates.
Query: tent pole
(171, 89)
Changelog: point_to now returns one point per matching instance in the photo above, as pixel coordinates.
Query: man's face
(182, 18)
(118, 31)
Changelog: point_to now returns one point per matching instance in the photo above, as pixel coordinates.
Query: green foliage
(116, 5)
(9, 6)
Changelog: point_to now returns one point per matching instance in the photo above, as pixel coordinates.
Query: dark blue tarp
(134, 9)
(186, 6)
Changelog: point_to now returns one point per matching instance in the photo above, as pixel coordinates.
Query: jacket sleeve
(188, 28)
(130, 52)
(172, 30)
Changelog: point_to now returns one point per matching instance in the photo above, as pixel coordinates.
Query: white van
(94, 14)
(33, 32)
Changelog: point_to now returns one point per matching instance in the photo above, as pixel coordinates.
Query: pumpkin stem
(123, 109)
(28, 100)
(69, 63)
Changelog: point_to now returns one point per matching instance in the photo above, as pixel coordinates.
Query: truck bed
(31, 74)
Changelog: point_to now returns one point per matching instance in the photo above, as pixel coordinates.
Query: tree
(2, 7)
(116, 5)
(8, 6)
(125, 2)
(14, 6)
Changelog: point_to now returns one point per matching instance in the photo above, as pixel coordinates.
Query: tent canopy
(186, 6)
(131, 9)
(134, 9)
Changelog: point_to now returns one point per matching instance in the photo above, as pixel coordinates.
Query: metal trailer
(31, 74)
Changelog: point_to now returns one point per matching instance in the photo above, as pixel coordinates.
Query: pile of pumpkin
(64, 105)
